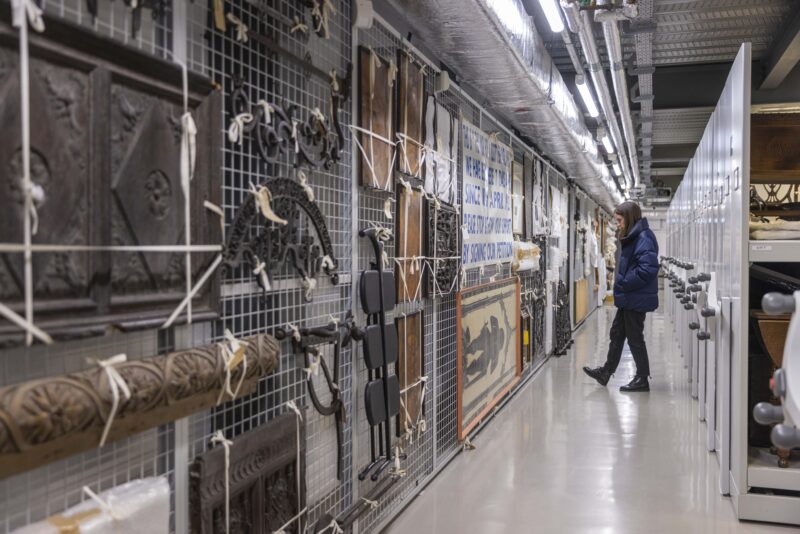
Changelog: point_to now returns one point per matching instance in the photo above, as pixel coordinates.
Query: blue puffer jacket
(636, 281)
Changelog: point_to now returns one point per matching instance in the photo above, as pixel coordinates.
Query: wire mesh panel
(271, 52)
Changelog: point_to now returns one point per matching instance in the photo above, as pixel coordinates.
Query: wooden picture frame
(410, 367)
(477, 395)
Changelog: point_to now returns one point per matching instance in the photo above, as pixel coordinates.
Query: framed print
(489, 343)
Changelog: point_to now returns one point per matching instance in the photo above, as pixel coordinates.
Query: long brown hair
(631, 213)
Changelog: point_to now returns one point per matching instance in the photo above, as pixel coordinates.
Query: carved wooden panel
(44, 420)
(376, 104)
(775, 147)
(264, 481)
(409, 120)
(410, 367)
(444, 230)
(408, 248)
(105, 137)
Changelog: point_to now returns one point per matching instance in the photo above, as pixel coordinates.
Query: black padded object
(374, 401)
(373, 348)
(370, 292)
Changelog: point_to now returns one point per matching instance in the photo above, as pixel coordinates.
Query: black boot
(600, 374)
(639, 383)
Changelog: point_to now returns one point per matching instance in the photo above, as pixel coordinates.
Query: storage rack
(184, 35)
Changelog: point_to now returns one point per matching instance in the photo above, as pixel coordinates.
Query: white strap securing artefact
(200, 283)
(463, 276)
(309, 284)
(37, 199)
(397, 471)
(373, 505)
(241, 28)
(264, 200)
(313, 367)
(387, 208)
(392, 73)
(282, 530)
(102, 503)
(327, 265)
(116, 384)
(261, 272)
(236, 129)
(234, 352)
(27, 8)
(468, 445)
(295, 136)
(303, 179)
(299, 26)
(220, 439)
(210, 206)
(187, 167)
(317, 114)
(295, 332)
(18, 320)
(334, 81)
(268, 111)
(22, 10)
(322, 13)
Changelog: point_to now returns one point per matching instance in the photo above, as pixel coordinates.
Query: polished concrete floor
(566, 455)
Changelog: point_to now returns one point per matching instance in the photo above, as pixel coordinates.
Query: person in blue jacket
(635, 294)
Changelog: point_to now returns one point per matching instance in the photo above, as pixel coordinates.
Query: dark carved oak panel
(105, 140)
(775, 150)
(410, 227)
(410, 121)
(263, 481)
(376, 99)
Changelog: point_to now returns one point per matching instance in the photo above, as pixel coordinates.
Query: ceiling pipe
(609, 20)
(583, 23)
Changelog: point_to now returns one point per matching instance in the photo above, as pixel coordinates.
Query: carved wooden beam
(45, 420)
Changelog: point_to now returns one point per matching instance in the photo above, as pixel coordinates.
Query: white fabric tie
(220, 439)
(188, 160)
(295, 137)
(328, 265)
(309, 284)
(264, 200)
(298, 26)
(233, 353)
(295, 332)
(116, 384)
(387, 208)
(261, 272)
(37, 199)
(103, 504)
(236, 129)
(268, 110)
(373, 505)
(27, 8)
(303, 179)
(313, 367)
(241, 28)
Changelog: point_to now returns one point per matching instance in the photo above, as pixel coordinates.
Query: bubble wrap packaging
(135, 507)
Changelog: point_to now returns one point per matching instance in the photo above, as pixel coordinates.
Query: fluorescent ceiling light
(586, 96)
(616, 169)
(553, 13)
(606, 140)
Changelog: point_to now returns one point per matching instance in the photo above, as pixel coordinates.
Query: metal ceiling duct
(609, 20)
(581, 22)
(494, 47)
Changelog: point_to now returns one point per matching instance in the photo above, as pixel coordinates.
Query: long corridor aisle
(567, 455)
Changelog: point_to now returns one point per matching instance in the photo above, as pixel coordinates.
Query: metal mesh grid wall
(246, 309)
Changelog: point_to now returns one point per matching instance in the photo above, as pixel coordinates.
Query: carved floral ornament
(45, 420)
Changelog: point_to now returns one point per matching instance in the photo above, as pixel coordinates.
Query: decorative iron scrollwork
(275, 244)
(443, 232)
(317, 141)
(307, 342)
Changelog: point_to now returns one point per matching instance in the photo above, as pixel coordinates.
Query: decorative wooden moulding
(45, 420)
(105, 150)
(263, 483)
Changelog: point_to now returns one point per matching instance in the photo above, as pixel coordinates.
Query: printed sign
(487, 204)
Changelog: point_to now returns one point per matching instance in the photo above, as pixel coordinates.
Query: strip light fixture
(587, 96)
(606, 140)
(552, 12)
(616, 169)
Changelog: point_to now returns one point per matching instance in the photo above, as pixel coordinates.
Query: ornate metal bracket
(310, 339)
(277, 244)
(316, 141)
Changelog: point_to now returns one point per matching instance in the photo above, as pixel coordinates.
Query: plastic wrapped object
(526, 256)
(132, 508)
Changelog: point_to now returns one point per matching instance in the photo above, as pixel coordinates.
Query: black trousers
(628, 325)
